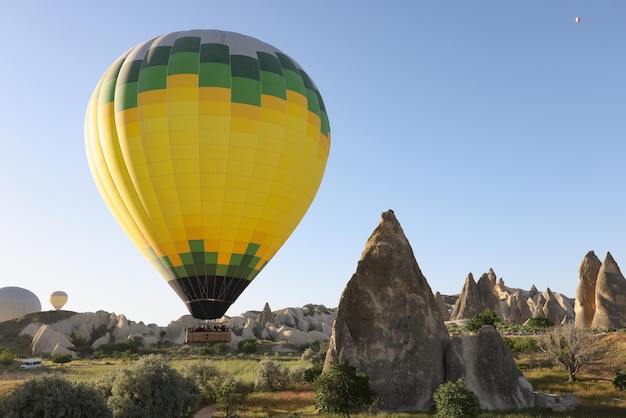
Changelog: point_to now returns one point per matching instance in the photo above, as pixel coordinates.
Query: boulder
(610, 296)
(486, 364)
(585, 305)
(388, 323)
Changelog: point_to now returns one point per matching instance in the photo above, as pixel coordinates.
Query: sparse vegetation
(537, 324)
(571, 347)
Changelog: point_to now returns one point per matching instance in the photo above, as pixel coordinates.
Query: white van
(31, 363)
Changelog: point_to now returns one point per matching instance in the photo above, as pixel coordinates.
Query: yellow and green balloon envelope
(208, 147)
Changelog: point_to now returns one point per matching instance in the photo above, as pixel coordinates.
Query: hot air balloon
(16, 302)
(58, 299)
(577, 19)
(208, 147)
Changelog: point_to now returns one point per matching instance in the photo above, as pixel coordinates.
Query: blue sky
(494, 130)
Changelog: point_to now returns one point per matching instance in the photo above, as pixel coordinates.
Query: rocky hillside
(58, 332)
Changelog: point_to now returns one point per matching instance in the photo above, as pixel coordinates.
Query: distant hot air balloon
(58, 299)
(208, 147)
(577, 19)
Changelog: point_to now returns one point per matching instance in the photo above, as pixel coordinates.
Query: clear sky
(494, 130)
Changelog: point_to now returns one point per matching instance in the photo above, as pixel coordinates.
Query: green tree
(454, 400)
(342, 390)
(52, 396)
(149, 388)
(270, 377)
(247, 346)
(313, 372)
(229, 393)
(571, 347)
(620, 380)
(486, 317)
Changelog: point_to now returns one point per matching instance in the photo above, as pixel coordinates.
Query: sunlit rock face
(610, 296)
(487, 366)
(585, 304)
(389, 325)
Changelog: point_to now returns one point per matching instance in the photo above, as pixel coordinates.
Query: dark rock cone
(388, 323)
(486, 365)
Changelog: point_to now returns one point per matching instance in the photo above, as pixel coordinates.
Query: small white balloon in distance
(577, 19)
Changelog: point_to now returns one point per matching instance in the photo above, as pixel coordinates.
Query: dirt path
(206, 412)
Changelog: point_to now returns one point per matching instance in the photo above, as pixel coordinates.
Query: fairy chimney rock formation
(487, 366)
(585, 304)
(443, 308)
(469, 302)
(610, 296)
(388, 323)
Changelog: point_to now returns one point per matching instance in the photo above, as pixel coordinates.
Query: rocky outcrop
(486, 290)
(388, 324)
(47, 341)
(266, 317)
(443, 308)
(585, 303)
(610, 296)
(555, 307)
(488, 369)
(469, 302)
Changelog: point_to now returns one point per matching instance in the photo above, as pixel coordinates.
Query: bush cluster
(486, 317)
(620, 380)
(454, 400)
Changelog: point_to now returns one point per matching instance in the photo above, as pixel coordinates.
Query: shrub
(206, 375)
(53, 396)
(270, 377)
(313, 372)
(6, 357)
(454, 400)
(342, 390)
(61, 358)
(620, 380)
(522, 345)
(537, 324)
(247, 346)
(149, 388)
(486, 317)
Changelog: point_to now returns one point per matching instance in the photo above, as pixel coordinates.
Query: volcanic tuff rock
(469, 302)
(443, 308)
(610, 296)
(488, 369)
(388, 324)
(585, 303)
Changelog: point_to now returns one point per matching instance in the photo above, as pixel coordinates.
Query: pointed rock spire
(469, 302)
(610, 296)
(388, 323)
(585, 303)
